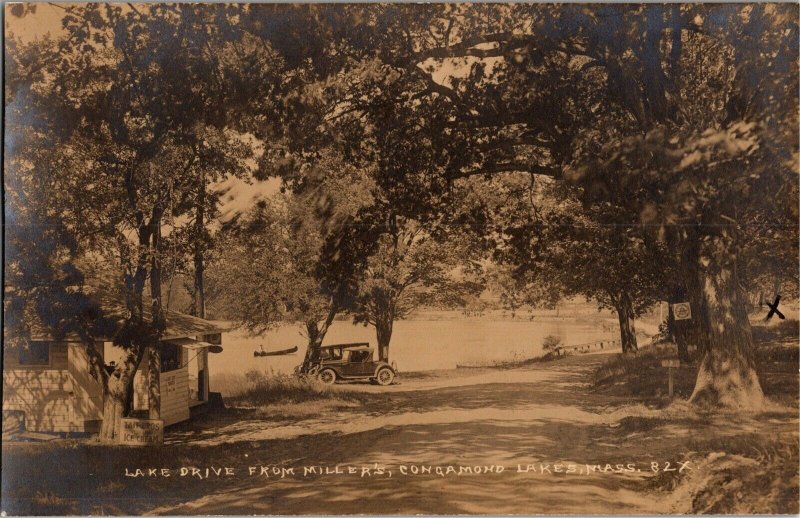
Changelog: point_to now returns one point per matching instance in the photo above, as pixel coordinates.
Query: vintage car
(353, 362)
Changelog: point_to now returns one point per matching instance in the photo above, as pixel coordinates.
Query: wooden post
(670, 364)
(204, 358)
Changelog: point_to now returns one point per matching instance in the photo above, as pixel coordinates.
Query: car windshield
(331, 354)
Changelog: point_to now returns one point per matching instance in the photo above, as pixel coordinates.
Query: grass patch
(283, 397)
(268, 388)
(292, 411)
(50, 503)
(229, 384)
(641, 375)
(776, 330)
(778, 352)
(625, 365)
(749, 474)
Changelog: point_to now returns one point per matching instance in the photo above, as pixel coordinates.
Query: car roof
(347, 346)
(360, 349)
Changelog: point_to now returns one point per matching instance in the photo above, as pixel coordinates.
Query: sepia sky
(46, 20)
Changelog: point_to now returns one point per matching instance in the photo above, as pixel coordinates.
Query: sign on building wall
(142, 431)
(169, 385)
(682, 311)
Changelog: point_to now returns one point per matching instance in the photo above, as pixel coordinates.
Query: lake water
(417, 345)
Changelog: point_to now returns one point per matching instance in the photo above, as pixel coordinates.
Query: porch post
(205, 374)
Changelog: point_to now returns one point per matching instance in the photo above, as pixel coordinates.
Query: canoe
(275, 353)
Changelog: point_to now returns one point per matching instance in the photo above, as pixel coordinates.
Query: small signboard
(682, 311)
(169, 384)
(142, 431)
(671, 363)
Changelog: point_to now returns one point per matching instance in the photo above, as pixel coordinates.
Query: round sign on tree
(682, 311)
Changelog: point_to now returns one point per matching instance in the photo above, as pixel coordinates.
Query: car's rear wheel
(385, 376)
(327, 376)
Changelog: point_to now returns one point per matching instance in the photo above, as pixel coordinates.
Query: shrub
(551, 342)
(663, 334)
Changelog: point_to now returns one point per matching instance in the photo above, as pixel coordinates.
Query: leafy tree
(708, 179)
(45, 281)
(677, 123)
(409, 268)
(612, 265)
(303, 251)
(125, 111)
(249, 273)
(530, 73)
(549, 247)
(517, 288)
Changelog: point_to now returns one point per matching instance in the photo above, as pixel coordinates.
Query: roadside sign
(142, 431)
(682, 311)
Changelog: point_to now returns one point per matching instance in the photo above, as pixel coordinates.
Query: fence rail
(562, 350)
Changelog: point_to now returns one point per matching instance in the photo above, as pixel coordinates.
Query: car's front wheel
(327, 376)
(385, 376)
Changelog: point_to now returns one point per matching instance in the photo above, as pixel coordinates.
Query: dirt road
(535, 439)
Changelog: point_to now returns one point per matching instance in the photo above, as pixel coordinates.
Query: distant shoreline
(579, 314)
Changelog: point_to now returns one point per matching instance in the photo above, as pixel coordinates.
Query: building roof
(181, 325)
(178, 325)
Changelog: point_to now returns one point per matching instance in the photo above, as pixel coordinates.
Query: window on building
(37, 353)
(170, 357)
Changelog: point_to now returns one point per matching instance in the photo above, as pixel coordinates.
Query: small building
(50, 388)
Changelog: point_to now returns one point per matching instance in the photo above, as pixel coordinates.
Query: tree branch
(509, 167)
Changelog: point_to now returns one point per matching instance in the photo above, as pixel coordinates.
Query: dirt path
(562, 449)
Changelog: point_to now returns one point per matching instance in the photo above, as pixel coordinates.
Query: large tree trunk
(314, 343)
(154, 382)
(697, 329)
(117, 392)
(113, 411)
(316, 334)
(159, 323)
(118, 387)
(727, 375)
(199, 306)
(627, 332)
(383, 332)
